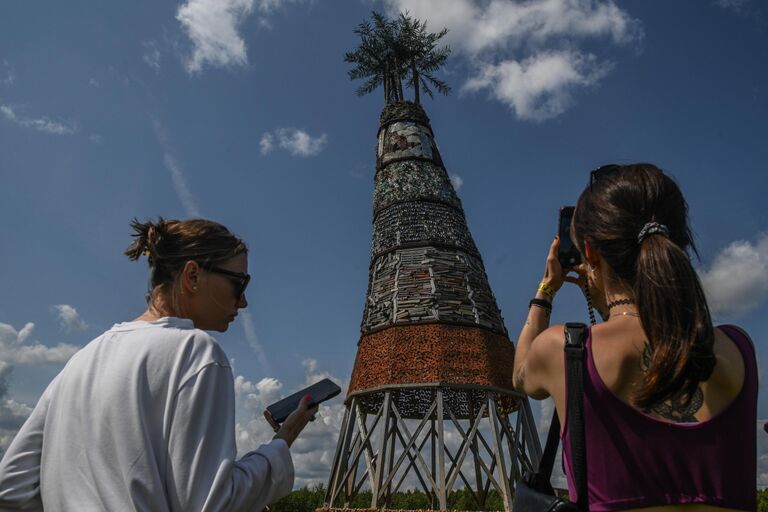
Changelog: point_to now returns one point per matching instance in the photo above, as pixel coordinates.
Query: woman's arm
(202, 471)
(539, 347)
(20, 467)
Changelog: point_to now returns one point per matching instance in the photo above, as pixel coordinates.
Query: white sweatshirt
(142, 418)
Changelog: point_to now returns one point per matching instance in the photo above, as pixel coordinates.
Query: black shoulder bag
(534, 492)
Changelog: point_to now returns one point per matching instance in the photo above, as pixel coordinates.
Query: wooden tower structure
(430, 402)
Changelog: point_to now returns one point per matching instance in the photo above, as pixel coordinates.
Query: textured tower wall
(430, 315)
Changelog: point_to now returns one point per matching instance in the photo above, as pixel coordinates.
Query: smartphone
(319, 391)
(567, 254)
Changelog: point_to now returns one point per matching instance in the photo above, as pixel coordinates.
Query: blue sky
(241, 111)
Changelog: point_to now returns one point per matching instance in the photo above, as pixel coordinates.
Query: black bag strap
(575, 337)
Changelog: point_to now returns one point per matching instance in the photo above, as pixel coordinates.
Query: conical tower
(430, 401)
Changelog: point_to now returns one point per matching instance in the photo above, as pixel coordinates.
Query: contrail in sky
(188, 202)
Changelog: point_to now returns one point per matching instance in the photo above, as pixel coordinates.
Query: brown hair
(169, 244)
(610, 214)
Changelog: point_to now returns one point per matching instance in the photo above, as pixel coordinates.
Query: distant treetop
(391, 51)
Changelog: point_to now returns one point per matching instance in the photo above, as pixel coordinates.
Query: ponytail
(676, 321)
(637, 219)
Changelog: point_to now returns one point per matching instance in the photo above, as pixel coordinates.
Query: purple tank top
(635, 461)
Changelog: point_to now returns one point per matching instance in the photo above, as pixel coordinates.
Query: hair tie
(652, 228)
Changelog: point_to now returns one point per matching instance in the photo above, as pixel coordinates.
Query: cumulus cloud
(15, 350)
(213, 27)
(267, 143)
(70, 318)
(475, 27)
(313, 451)
(526, 53)
(737, 280)
(41, 124)
(457, 182)
(296, 142)
(539, 87)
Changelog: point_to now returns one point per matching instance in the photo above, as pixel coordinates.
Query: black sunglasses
(602, 172)
(240, 280)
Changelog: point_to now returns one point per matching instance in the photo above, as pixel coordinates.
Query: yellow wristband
(546, 289)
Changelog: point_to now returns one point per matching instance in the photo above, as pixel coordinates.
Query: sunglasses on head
(602, 172)
(239, 279)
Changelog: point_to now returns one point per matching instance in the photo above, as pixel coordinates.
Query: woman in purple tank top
(670, 401)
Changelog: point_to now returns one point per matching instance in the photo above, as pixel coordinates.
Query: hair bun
(146, 236)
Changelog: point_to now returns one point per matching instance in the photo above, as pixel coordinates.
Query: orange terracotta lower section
(427, 353)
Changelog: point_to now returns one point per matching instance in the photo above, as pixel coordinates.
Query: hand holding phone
(294, 423)
(318, 392)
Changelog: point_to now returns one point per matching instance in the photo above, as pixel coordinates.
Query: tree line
(309, 499)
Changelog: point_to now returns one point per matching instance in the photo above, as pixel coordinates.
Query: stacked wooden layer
(430, 315)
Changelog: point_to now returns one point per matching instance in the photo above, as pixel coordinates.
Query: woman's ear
(190, 275)
(591, 254)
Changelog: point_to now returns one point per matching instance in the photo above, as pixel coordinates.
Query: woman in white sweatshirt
(142, 418)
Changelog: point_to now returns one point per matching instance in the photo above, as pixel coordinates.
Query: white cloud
(94, 83)
(213, 27)
(457, 182)
(539, 87)
(475, 27)
(151, 55)
(95, 138)
(737, 280)
(69, 318)
(14, 350)
(314, 449)
(41, 124)
(267, 143)
(296, 142)
(526, 53)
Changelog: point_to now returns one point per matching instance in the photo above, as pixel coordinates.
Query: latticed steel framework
(430, 401)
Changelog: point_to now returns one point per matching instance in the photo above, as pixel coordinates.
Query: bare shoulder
(744, 333)
(546, 352)
(551, 339)
(540, 371)
(730, 366)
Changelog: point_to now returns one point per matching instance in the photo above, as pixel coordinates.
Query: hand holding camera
(567, 258)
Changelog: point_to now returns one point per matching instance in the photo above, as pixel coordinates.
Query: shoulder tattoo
(677, 408)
